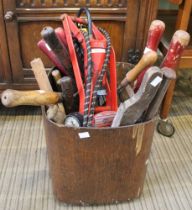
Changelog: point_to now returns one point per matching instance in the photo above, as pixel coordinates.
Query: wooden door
(24, 19)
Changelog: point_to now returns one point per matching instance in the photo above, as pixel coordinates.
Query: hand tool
(103, 119)
(78, 50)
(147, 59)
(130, 111)
(61, 36)
(56, 76)
(100, 78)
(44, 47)
(178, 43)
(68, 24)
(59, 49)
(98, 46)
(68, 93)
(40, 74)
(155, 33)
(55, 112)
(152, 111)
(12, 98)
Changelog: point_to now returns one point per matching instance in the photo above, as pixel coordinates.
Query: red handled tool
(50, 54)
(98, 46)
(155, 33)
(178, 43)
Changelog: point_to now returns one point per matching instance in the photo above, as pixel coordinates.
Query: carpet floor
(24, 175)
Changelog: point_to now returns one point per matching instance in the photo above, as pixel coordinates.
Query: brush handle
(147, 59)
(12, 98)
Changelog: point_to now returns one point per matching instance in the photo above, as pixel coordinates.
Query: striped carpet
(24, 180)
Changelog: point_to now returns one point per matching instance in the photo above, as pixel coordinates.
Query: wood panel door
(24, 19)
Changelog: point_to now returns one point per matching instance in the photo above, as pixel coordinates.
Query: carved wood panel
(70, 3)
(125, 20)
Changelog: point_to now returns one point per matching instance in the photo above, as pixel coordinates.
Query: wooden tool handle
(56, 112)
(12, 98)
(147, 59)
(155, 33)
(179, 42)
(40, 74)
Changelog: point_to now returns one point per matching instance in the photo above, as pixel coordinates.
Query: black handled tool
(67, 93)
(60, 50)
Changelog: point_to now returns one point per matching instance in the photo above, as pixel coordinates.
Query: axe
(168, 75)
(130, 111)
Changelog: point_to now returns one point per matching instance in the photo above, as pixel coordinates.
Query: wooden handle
(12, 98)
(155, 33)
(178, 43)
(56, 112)
(147, 59)
(40, 74)
(182, 37)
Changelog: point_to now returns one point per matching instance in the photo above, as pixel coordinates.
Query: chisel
(130, 111)
(152, 111)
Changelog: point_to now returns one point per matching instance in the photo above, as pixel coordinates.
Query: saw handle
(12, 98)
(147, 59)
(89, 21)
